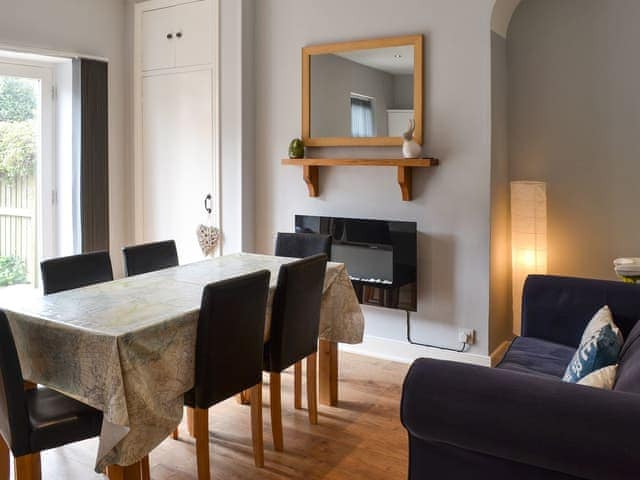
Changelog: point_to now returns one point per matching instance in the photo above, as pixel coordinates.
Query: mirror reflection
(362, 93)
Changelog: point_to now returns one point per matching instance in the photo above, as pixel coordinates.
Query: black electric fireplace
(380, 255)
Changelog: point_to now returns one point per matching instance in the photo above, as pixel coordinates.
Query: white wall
(92, 27)
(452, 201)
(68, 199)
(237, 122)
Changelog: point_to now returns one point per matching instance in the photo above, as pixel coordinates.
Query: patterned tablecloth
(127, 347)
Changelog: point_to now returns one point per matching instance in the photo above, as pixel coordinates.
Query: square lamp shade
(528, 238)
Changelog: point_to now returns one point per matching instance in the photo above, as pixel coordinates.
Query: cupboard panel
(177, 157)
(158, 51)
(193, 24)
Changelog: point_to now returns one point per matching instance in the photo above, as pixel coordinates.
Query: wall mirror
(363, 92)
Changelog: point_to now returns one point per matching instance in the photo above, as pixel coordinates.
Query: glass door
(26, 172)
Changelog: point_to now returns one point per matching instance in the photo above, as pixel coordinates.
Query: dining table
(127, 347)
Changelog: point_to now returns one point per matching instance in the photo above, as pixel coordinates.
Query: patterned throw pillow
(600, 319)
(600, 347)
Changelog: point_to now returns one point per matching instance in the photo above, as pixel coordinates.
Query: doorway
(26, 171)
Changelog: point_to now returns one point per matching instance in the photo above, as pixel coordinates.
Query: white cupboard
(177, 36)
(175, 122)
(398, 121)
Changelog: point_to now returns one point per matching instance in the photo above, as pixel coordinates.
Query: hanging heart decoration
(208, 237)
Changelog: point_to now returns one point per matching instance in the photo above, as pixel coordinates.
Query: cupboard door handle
(169, 36)
(179, 34)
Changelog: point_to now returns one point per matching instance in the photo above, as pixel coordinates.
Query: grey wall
(574, 114)
(403, 92)
(91, 27)
(500, 313)
(451, 202)
(333, 79)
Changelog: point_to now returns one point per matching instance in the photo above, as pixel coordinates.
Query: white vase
(410, 149)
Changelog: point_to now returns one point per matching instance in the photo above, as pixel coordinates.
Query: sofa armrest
(581, 431)
(558, 309)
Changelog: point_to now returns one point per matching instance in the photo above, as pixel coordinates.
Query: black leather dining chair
(36, 419)
(301, 245)
(229, 349)
(67, 273)
(149, 257)
(295, 323)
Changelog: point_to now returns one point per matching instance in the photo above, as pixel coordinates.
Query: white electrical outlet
(466, 335)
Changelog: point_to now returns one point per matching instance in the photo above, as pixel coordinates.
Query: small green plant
(13, 271)
(17, 149)
(18, 107)
(17, 100)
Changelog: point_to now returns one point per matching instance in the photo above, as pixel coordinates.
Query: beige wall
(574, 112)
(91, 27)
(452, 202)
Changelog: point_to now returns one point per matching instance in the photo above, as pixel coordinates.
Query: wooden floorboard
(360, 439)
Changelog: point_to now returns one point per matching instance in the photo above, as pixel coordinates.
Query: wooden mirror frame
(418, 74)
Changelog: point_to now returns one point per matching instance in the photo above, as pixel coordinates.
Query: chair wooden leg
(28, 467)
(297, 385)
(190, 422)
(201, 430)
(176, 434)
(276, 411)
(132, 472)
(5, 459)
(312, 388)
(256, 425)
(145, 470)
(244, 397)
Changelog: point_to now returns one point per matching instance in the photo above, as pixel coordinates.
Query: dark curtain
(91, 151)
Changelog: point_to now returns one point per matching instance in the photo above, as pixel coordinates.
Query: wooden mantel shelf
(404, 166)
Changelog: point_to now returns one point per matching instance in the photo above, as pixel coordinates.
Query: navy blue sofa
(519, 421)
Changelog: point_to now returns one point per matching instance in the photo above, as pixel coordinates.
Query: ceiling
(393, 60)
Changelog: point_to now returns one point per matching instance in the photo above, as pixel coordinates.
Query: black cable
(461, 350)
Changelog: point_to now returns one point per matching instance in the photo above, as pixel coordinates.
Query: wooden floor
(361, 439)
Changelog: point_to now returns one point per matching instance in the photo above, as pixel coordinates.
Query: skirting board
(404, 352)
(499, 352)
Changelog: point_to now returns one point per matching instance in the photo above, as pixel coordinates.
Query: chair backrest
(67, 273)
(14, 423)
(295, 315)
(301, 245)
(230, 338)
(149, 257)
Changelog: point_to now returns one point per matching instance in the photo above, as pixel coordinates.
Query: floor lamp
(528, 238)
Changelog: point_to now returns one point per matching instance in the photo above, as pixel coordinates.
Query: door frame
(138, 75)
(45, 214)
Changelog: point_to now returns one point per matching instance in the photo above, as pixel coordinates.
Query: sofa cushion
(537, 357)
(629, 363)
